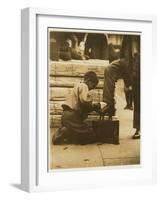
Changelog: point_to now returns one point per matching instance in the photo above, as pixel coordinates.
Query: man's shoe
(60, 136)
(128, 107)
(108, 110)
(136, 135)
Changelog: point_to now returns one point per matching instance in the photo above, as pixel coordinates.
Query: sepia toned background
(64, 72)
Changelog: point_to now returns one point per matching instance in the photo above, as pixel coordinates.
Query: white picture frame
(34, 174)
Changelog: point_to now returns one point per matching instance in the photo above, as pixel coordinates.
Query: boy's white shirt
(85, 96)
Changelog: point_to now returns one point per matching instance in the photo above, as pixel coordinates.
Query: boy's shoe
(60, 136)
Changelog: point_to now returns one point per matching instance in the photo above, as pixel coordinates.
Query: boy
(75, 111)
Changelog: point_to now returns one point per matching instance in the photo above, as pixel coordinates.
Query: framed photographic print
(86, 109)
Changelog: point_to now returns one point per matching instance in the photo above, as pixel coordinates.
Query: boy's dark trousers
(78, 130)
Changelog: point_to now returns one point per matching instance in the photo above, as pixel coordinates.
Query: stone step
(69, 82)
(77, 68)
(60, 94)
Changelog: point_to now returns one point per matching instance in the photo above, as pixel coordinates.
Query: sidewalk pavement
(95, 155)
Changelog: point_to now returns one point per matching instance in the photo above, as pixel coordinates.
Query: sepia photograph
(93, 98)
